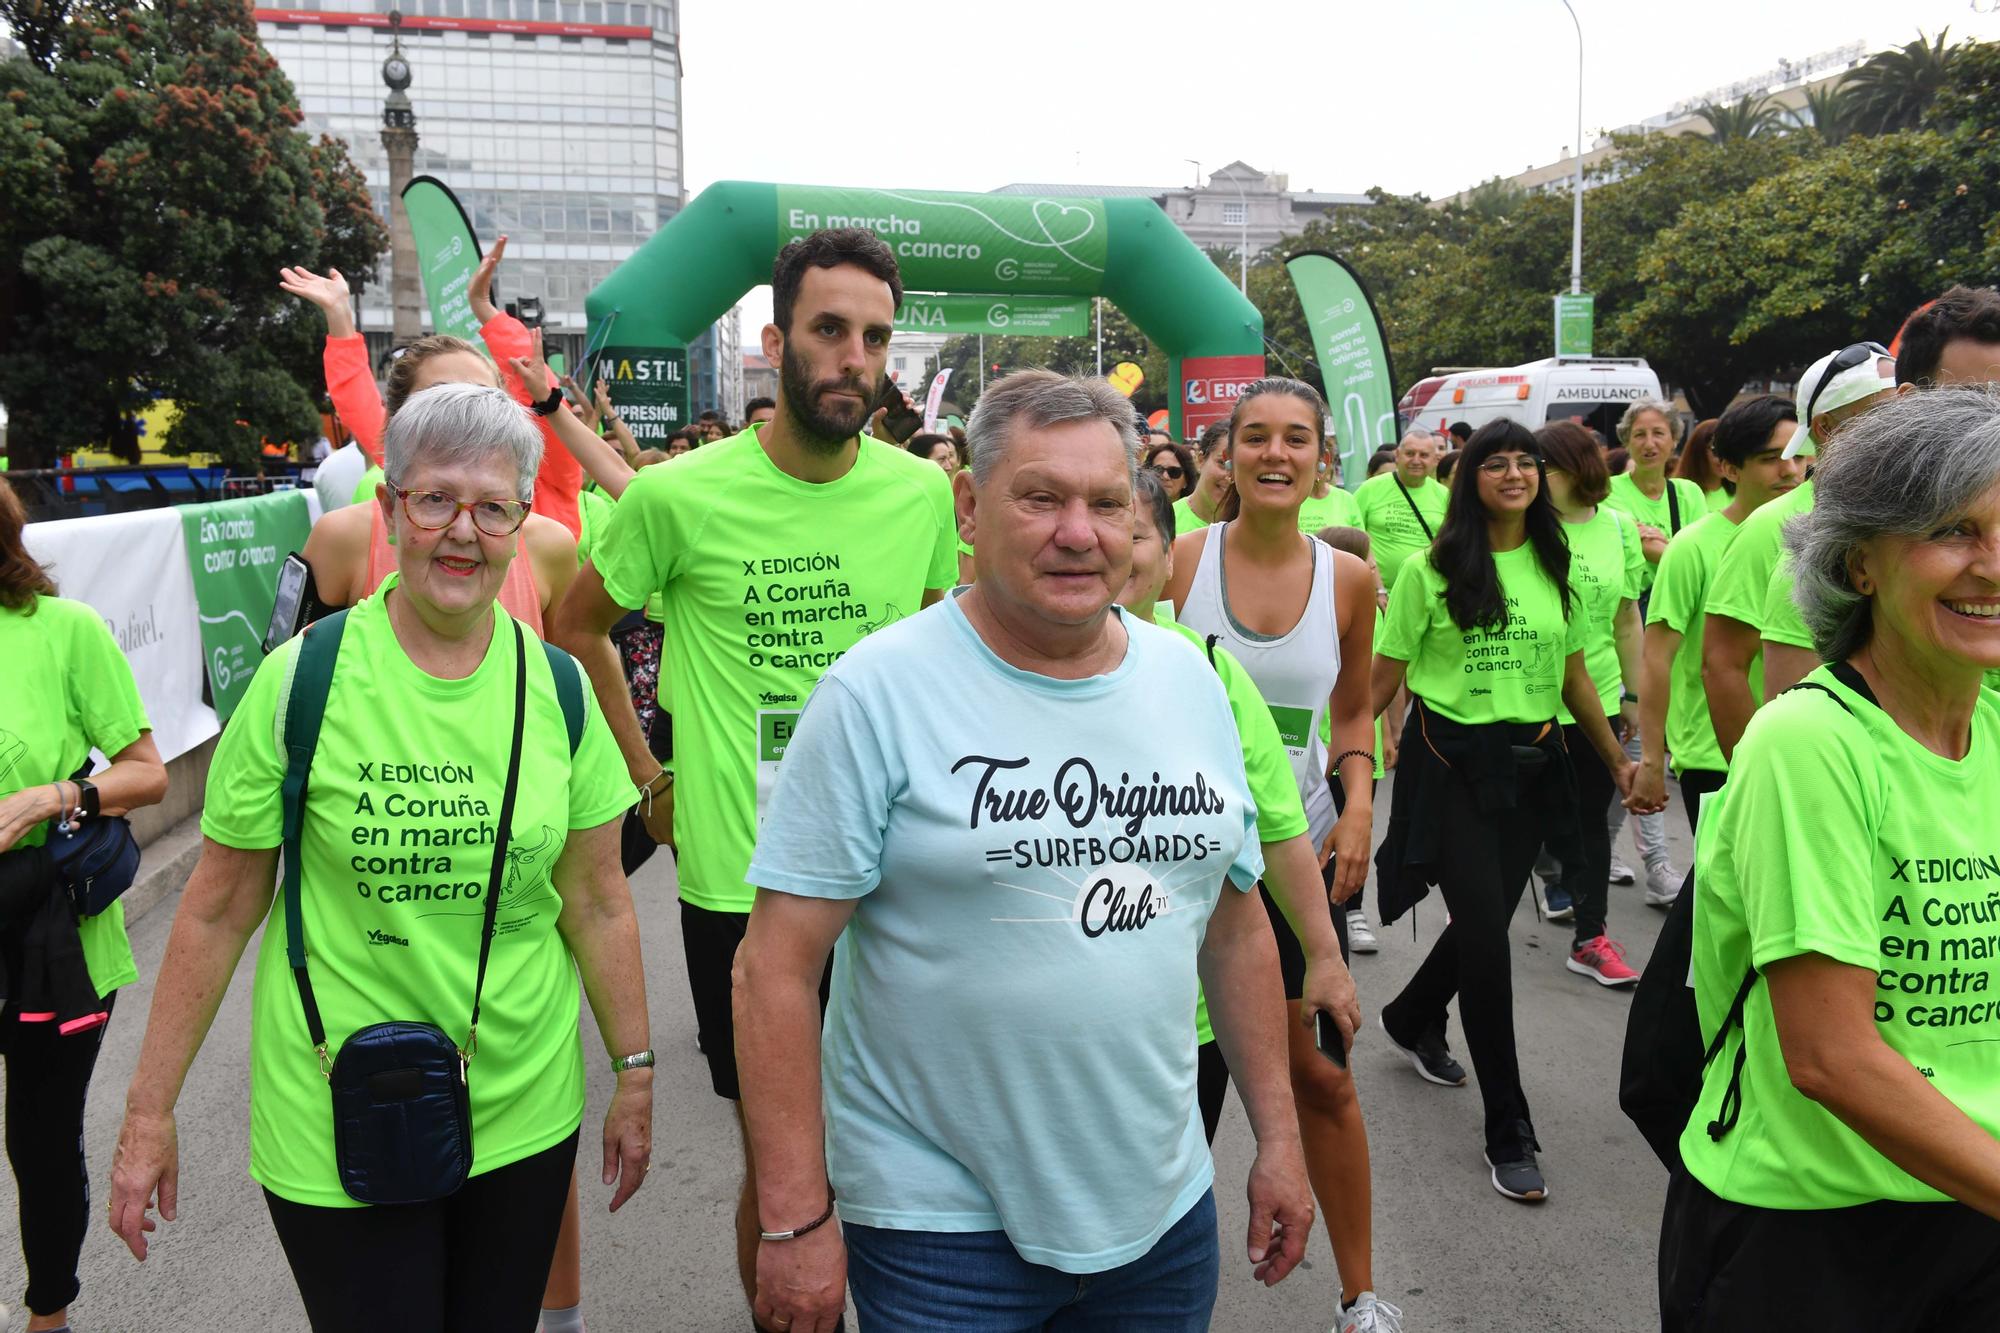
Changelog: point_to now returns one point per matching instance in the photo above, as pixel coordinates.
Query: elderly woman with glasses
(457, 849)
(1844, 960)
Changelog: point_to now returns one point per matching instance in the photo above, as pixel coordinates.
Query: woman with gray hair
(1845, 961)
(448, 801)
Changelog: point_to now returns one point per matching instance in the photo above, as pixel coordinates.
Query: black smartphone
(1326, 1036)
(291, 612)
(903, 421)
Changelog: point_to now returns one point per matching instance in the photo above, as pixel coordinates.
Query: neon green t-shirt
(1680, 594)
(364, 490)
(68, 690)
(765, 581)
(397, 848)
(1781, 621)
(1841, 836)
(1626, 497)
(1393, 531)
(1326, 718)
(1718, 499)
(1266, 763)
(1335, 509)
(1743, 579)
(593, 512)
(1185, 519)
(1606, 568)
(1513, 674)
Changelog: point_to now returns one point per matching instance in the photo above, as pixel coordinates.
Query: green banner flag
(649, 387)
(1353, 358)
(1038, 316)
(234, 548)
(447, 252)
(1575, 321)
(958, 242)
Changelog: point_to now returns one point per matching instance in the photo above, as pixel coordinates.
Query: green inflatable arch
(1019, 254)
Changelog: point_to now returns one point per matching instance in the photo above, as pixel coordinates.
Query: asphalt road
(1450, 1251)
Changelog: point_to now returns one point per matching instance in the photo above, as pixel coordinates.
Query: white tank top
(1294, 671)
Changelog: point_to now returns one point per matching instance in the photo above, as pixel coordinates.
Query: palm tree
(1751, 115)
(1829, 111)
(1893, 87)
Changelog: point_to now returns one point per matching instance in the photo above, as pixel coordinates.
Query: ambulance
(1593, 390)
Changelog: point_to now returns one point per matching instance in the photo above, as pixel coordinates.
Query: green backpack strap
(569, 692)
(305, 708)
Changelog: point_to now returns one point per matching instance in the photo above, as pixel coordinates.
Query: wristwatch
(547, 407)
(641, 1060)
(86, 796)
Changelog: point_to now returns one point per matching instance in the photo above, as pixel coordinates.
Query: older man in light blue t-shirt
(1025, 890)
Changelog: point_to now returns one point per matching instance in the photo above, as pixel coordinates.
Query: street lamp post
(1576, 189)
(1243, 246)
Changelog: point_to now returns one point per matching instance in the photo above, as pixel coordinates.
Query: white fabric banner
(132, 570)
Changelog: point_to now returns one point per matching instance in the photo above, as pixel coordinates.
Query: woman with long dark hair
(1486, 632)
(1697, 464)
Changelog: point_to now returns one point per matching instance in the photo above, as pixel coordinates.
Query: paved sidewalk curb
(164, 866)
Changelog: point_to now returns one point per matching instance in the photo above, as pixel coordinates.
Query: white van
(1593, 390)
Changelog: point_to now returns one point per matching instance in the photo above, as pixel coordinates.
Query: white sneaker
(1369, 1315)
(1360, 936)
(1622, 873)
(1663, 885)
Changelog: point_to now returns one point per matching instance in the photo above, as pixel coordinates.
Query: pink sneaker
(1603, 961)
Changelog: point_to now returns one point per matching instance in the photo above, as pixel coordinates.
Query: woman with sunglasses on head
(1300, 618)
(1212, 485)
(448, 729)
(1489, 636)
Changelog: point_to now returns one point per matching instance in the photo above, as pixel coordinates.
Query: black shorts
(1876, 1267)
(709, 940)
(1292, 954)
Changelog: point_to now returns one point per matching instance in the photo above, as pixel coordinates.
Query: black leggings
(1696, 784)
(472, 1263)
(48, 1076)
(1483, 866)
(1588, 881)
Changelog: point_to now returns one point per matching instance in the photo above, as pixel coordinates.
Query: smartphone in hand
(902, 420)
(1326, 1036)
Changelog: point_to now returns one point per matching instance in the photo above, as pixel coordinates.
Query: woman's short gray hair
(1639, 405)
(1041, 398)
(453, 423)
(1906, 468)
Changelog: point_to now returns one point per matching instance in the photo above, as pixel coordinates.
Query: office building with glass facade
(556, 123)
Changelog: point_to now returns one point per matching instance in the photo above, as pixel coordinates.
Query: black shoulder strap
(1411, 501)
(1211, 651)
(1673, 508)
(305, 709)
(1732, 1096)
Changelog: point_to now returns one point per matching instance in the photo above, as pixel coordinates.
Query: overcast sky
(1411, 95)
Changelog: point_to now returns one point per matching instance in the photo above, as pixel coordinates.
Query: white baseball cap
(1857, 371)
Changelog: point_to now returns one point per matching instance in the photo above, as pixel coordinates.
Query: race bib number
(1294, 728)
(774, 733)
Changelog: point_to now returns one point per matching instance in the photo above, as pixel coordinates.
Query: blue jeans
(975, 1282)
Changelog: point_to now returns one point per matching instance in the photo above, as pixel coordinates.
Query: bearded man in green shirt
(772, 552)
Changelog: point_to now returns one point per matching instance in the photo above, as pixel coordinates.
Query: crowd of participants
(892, 914)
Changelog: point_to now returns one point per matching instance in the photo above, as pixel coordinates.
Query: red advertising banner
(423, 22)
(1210, 386)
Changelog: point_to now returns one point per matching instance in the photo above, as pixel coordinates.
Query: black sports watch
(86, 796)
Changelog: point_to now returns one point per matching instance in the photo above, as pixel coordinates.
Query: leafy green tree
(1969, 98)
(1893, 87)
(1749, 116)
(1828, 112)
(156, 181)
(1841, 246)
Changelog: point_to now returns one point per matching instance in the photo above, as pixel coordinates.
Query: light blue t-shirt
(1007, 1046)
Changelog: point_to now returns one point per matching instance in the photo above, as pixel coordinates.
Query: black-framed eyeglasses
(431, 510)
(1847, 358)
(1172, 472)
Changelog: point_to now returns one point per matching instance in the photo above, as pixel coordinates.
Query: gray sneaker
(1516, 1174)
(1622, 873)
(1360, 937)
(1370, 1315)
(1663, 885)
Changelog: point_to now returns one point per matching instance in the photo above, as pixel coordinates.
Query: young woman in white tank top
(1293, 611)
